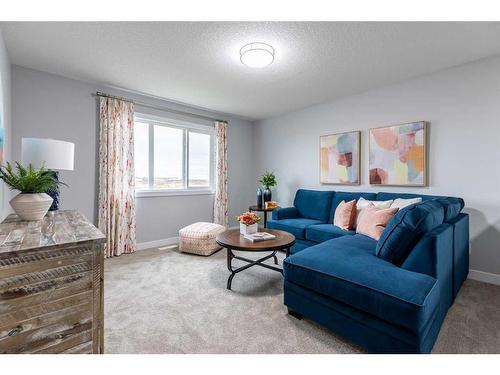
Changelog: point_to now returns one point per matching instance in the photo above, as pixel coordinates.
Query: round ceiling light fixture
(257, 55)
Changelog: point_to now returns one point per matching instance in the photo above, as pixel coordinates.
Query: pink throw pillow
(345, 215)
(373, 221)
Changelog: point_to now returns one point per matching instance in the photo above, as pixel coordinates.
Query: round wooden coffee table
(231, 239)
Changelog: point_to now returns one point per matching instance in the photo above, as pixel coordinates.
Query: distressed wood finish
(51, 285)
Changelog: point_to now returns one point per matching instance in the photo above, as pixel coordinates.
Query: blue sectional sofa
(388, 296)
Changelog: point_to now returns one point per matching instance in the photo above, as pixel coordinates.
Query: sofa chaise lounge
(388, 296)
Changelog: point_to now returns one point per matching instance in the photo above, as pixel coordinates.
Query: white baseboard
(485, 277)
(158, 243)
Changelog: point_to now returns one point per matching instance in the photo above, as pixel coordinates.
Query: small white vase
(31, 207)
(248, 229)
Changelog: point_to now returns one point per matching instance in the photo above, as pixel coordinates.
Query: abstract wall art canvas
(340, 158)
(398, 155)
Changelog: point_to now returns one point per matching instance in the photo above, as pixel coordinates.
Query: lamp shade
(51, 153)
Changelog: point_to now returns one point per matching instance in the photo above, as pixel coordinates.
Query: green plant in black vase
(268, 180)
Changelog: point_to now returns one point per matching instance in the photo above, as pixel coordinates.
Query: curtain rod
(162, 108)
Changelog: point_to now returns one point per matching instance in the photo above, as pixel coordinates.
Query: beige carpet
(162, 301)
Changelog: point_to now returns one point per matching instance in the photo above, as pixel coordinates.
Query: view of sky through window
(199, 159)
(168, 156)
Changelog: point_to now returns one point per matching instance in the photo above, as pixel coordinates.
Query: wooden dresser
(51, 285)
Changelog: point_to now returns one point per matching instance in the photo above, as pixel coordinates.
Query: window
(172, 157)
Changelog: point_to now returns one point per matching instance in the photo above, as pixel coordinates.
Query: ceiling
(198, 62)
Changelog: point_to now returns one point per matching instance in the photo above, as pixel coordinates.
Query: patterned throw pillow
(373, 221)
(345, 215)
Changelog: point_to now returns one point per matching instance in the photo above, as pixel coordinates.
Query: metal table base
(251, 263)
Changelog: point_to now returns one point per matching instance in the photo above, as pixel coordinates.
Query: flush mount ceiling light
(257, 55)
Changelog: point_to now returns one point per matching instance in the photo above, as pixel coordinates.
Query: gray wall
(46, 105)
(463, 107)
(5, 111)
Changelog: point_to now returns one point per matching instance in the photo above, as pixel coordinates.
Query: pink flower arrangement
(248, 218)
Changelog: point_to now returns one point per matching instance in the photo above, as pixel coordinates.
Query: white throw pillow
(362, 203)
(381, 205)
(402, 203)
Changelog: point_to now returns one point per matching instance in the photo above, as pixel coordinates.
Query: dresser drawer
(47, 300)
(38, 261)
(50, 332)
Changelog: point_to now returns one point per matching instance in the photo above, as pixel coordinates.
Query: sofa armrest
(433, 256)
(286, 213)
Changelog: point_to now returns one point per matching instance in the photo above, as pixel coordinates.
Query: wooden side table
(262, 209)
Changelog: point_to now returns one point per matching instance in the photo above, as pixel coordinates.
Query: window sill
(171, 193)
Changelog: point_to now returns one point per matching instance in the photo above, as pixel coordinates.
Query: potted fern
(32, 203)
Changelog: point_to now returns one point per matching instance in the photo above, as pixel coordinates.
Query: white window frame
(186, 127)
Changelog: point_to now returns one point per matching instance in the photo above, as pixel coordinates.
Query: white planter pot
(31, 207)
(248, 229)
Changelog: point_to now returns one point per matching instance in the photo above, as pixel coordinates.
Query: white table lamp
(53, 154)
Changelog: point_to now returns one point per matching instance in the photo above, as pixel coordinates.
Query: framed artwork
(398, 155)
(340, 158)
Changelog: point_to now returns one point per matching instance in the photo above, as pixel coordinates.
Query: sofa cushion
(372, 221)
(301, 245)
(340, 196)
(406, 228)
(452, 207)
(297, 227)
(325, 232)
(345, 215)
(313, 204)
(347, 270)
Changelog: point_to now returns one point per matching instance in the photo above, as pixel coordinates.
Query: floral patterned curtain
(116, 176)
(220, 201)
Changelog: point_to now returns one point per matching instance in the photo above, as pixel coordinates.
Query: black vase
(267, 195)
(54, 194)
(259, 198)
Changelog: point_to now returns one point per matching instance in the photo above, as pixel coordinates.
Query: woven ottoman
(199, 238)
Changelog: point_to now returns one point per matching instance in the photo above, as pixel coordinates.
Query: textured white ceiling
(198, 62)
